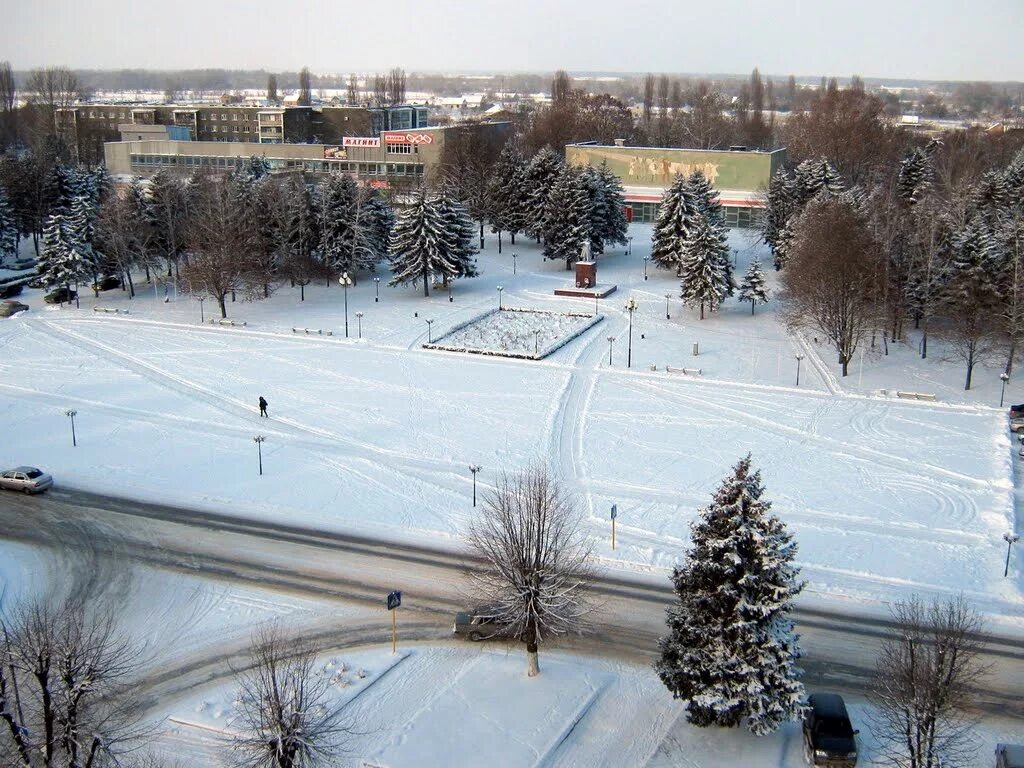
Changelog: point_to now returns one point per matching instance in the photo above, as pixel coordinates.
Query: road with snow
(840, 647)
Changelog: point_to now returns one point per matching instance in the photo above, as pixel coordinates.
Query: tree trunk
(426, 283)
(481, 234)
(924, 345)
(1011, 355)
(302, 291)
(752, 303)
(513, 236)
(846, 365)
(532, 660)
(223, 305)
(131, 285)
(702, 310)
(499, 241)
(970, 372)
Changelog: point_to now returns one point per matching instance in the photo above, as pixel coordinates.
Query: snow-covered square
(510, 332)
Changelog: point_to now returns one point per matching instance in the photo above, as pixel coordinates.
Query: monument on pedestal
(586, 285)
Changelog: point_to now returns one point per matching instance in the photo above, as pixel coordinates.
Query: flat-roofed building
(741, 176)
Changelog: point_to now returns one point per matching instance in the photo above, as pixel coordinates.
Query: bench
(685, 371)
(317, 331)
(231, 323)
(915, 395)
(109, 310)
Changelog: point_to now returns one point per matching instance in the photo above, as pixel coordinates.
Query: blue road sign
(615, 511)
(394, 600)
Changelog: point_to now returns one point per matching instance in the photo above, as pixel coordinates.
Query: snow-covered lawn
(375, 434)
(508, 332)
(461, 705)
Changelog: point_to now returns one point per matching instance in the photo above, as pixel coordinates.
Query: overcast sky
(928, 39)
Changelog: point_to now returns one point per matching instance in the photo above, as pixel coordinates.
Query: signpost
(615, 514)
(394, 601)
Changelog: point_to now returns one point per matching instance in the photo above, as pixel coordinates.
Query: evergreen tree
(296, 236)
(731, 649)
(817, 177)
(378, 218)
(780, 205)
(541, 174)
(460, 234)
(421, 244)
(65, 258)
(615, 223)
(348, 234)
(9, 234)
(753, 287)
(706, 197)
(507, 193)
(703, 280)
(677, 216)
(568, 218)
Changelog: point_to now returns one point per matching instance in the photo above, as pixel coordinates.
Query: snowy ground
(374, 435)
(463, 705)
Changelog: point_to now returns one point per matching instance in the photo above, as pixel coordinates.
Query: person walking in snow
(263, 407)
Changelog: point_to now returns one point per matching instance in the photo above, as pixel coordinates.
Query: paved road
(840, 648)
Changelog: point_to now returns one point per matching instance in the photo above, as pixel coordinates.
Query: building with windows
(741, 176)
(394, 159)
(87, 127)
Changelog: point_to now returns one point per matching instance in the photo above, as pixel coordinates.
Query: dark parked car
(1009, 756)
(60, 296)
(1017, 411)
(25, 479)
(478, 624)
(10, 290)
(107, 283)
(828, 736)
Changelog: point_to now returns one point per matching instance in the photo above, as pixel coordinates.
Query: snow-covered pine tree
(677, 215)
(64, 259)
(730, 648)
(9, 234)
(420, 245)
(591, 181)
(780, 205)
(541, 174)
(706, 197)
(507, 193)
(703, 281)
(914, 176)
(62, 186)
(567, 220)
(342, 229)
(378, 218)
(460, 234)
(753, 288)
(817, 177)
(616, 224)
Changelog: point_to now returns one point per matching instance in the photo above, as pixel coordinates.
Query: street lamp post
(429, 338)
(376, 285)
(798, 359)
(646, 259)
(500, 289)
(1004, 377)
(202, 316)
(631, 306)
(474, 468)
(668, 298)
(536, 342)
(450, 299)
(611, 340)
(71, 415)
(629, 246)
(359, 323)
(514, 257)
(1010, 539)
(259, 440)
(345, 281)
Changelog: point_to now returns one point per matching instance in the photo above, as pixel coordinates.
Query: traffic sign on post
(615, 513)
(394, 600)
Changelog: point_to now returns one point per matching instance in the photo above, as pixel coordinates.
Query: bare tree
(8, 115)
(561, 87)
(537, 560)
(287, 717)
(65, 683)
(704, 126)
(648, 99)
(48, 90)
(829, 279)
(220, 242)
(396, 86)
(923, 682)
(353, 90)
(305, 88)
(380, 90)
(271, 88)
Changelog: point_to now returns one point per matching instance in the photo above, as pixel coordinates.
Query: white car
(25, 479)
